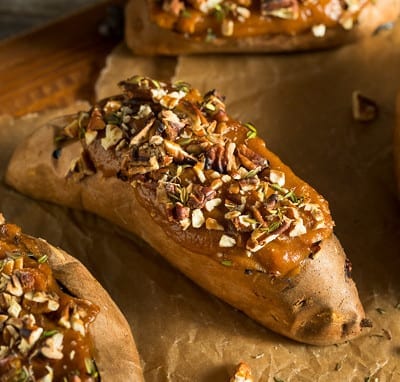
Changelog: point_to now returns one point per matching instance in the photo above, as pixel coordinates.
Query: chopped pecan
(243, 223)
(178, 153)
(250, 159)
(283, 9)
(230, 158)
(180, 211)
(138, 88)
(96, 121)
(215, 159)
(174, 7)
(172, 124)
(200, 196)
(261, 237)
(142, 135)
(257, 215)
(271, 201)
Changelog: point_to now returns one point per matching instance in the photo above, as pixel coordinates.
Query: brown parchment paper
(301, 105)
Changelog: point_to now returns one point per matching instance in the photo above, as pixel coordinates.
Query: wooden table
(56, 64)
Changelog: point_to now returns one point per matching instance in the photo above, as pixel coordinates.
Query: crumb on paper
(242, 373)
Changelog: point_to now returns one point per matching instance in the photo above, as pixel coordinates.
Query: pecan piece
(216, 159)
(250, 159)
(172, 124)
(283, 9)
(96, 121)
(180, 212)
(200, 196)
(174, 7)
(178, 153)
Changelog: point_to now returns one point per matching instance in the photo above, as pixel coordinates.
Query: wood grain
(22, 15)
(56, 64)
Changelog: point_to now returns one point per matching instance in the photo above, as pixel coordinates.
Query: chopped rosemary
(42, 259)
(210, 35)
(59, 138)
(219, 13)
(48, 333)
(156, 83)
(277, 187)
(113, 119)
(252, 133)
(91, 367)
(253, 172)
(293, 197)
(181, 194)
(185, 14)
(22, 375)
(209, 106)
(81, 133)
(274, 226)
(14, 255)
(227, 263)
(183, 86)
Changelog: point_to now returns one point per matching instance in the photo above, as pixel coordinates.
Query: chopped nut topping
(227, 27)
(212, 20)
(34, 313)
(277, 177)
(90, 136)
(211, 204)
(227, 241)
(319, 30)
(283, 9)
(113, 136)
(197, 218)
(53, 347)
(205, 170)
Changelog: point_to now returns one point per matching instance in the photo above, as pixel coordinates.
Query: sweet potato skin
(318, 305)
(396, 144)
(144, 37)
(114, 348)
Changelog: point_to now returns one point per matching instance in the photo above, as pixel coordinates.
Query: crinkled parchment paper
(301, 105)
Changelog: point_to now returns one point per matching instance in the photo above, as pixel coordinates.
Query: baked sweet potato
(173, 27)
(58, 323)
(171, 166)
(396, 144)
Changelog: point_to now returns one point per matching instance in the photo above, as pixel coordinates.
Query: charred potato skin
(317, 305)
(145, 37)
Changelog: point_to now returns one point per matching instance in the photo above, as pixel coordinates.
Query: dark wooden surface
(58, 63)
(18, 16)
